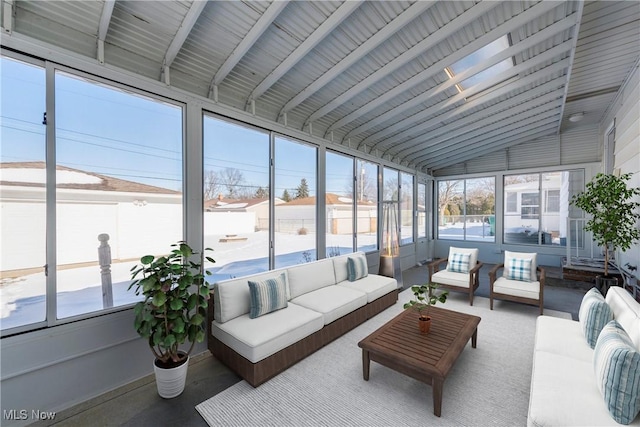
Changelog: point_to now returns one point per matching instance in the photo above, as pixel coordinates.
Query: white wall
(223, 223)
(626, 113)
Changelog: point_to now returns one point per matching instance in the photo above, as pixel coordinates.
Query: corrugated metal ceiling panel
(414, 116)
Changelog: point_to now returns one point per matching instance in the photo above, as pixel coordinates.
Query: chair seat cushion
(259, 338)
(446, 277)
(517, 288)
(332, 301)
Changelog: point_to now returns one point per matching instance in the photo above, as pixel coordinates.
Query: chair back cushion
(508, 256)
(473, 257)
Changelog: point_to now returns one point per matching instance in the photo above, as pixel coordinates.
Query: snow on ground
(22, 300)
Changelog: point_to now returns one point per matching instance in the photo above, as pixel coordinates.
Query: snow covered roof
(33, 174)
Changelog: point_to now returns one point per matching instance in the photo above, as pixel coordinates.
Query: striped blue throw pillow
(268, 295)
(519, 269)
(617, 366)
(593, 315)
(459, 263)
(357, 267)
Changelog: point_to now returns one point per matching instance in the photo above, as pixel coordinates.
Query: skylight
(478, 57)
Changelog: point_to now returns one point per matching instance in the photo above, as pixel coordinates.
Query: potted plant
(173, 311)
(425, 296)
(614, 216)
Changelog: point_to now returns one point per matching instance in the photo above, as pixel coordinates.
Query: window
(421, 208)
(533, 223)
(466, 209)
(398, 186)
(552, 203)
(478, 57)
(236, 198)
(295, 219)
(339, 204)
(121, 181)
(511, 203)
(114, 192)
(530, 206)
(406, 208)
(22, 195)
(367, 205)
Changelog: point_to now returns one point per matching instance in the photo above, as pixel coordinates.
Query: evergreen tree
(285, 196)
(261, 193)
(302, 190)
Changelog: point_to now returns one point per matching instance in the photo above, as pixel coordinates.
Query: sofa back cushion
(268, 295)
(231, 298)
(357, 267)
(617, 367)
(626, 311)
(340, 265)
(308, 277)
(593, 315)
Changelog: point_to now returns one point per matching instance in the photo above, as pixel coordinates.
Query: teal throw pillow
(357, 267)
(267, 295)
(616, 364)
(519, 269)
(459, 263)
(593, 315)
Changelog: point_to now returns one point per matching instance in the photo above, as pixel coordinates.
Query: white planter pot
(171, 381)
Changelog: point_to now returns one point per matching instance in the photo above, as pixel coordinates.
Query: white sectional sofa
(564, 388)
(321, 305)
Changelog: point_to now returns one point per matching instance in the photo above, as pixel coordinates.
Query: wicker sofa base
(257, 373)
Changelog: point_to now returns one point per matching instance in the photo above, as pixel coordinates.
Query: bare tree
(211, 185)
(448, 191)
(231, 178)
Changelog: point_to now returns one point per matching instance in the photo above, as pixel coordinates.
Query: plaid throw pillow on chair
(459, 263)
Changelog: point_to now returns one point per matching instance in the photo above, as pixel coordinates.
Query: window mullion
(50, 156)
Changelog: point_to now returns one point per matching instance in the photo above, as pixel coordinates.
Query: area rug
(488, 385)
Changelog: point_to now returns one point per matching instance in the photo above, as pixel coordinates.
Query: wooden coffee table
(399, 345)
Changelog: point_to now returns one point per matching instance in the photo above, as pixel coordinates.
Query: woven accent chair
(461, 273)
(522, 280)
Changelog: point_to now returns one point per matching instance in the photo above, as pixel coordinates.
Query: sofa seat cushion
(332, 302)
(563, 337)
(517, 288)
(259, 338)
(373, 285)
(564, 393)
(446, 277)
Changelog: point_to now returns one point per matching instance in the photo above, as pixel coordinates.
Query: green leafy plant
(614, 214)
(424, 297)
(174, 308)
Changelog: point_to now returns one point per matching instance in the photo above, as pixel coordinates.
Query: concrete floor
(138, 403)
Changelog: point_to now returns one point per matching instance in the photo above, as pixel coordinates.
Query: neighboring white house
(529, 207)
(237, 216)
(301, 213)
(139, 218)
